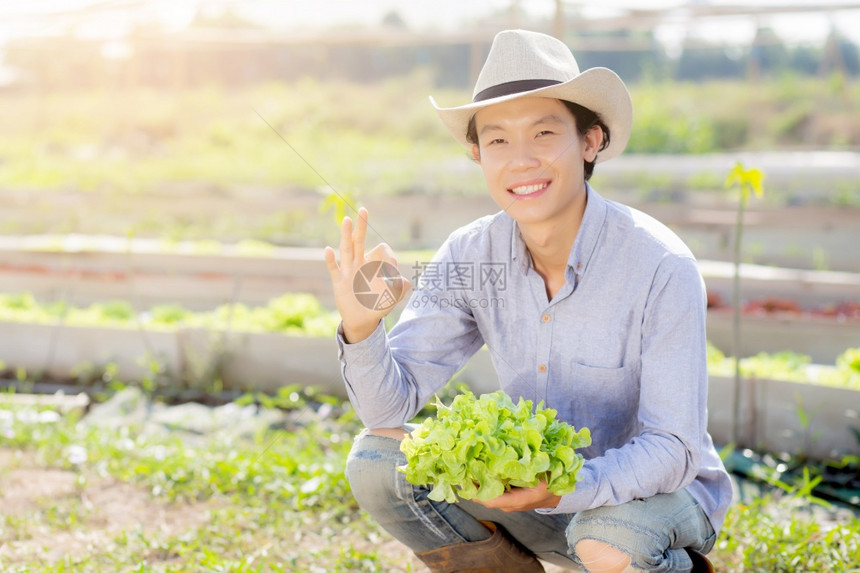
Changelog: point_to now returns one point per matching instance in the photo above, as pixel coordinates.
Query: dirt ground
(104, 509)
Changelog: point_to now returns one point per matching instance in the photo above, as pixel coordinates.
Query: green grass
(779, 532)
(260, 495)
(384, 138)
(790, 366)
(290, 313)
(278, 501)
(259, 162)
(266, 135)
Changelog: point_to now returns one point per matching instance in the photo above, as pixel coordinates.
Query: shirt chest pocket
(615, 387)
(603, 340)
(606, 400)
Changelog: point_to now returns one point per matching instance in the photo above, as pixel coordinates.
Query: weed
(777, 533)
(279, 501)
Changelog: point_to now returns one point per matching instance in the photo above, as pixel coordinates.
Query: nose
(523, 156)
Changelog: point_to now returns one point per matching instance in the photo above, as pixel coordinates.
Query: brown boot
(499, 553)
(701, 564)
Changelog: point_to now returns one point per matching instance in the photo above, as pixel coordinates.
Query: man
(599, 313)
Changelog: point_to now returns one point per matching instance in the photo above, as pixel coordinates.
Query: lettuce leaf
(478, 448)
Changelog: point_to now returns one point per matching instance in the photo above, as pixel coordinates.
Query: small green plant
(156, 379)
(847, 371)
(89, 374)
(291, 397)
(339, 204)
(790, 366)
(787, 365)
(774, 533)
(259, 494)
(278, 501)
(290, 313)
(745, 182)
(167, 315)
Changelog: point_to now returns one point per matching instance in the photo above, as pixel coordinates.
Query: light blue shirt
(620, 349)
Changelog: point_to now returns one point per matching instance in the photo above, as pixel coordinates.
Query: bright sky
(112, 17)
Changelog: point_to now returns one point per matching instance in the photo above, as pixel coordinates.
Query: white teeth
(526, 189)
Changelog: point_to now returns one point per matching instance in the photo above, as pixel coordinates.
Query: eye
(496, 141)
(545, 132)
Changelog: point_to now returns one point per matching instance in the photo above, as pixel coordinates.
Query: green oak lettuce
(478, 448)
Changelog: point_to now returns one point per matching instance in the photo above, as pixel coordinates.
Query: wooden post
(831, 60)
(476, 61)
(558, 21)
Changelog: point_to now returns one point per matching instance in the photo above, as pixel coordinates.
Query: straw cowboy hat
(530, 64)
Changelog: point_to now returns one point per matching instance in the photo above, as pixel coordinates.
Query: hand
(359, 318)
(523, 499)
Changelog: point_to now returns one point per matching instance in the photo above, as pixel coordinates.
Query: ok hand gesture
(366, 285)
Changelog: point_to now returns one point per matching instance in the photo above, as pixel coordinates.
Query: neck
(549, 242)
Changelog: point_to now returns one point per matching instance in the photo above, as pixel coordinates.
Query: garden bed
(816, 422)
(798, 418)
(817, 291)
(203, 281)
(821, 338)
(819, 422)
(184, 357)
(197, 276)
(290, 340)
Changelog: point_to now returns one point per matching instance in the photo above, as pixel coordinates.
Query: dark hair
(585, 119)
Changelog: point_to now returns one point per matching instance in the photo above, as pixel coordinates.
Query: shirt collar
(519, 251)
(589, 231)
(586, 239)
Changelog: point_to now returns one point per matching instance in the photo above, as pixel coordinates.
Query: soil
(110, 507)
(107, 508)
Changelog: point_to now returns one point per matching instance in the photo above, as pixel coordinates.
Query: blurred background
(233, 121)
(162, 157)
(170, 171)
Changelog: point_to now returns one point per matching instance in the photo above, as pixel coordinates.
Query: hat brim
(598, 89)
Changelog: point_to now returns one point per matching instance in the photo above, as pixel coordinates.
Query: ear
(476, 153)
(593, 141)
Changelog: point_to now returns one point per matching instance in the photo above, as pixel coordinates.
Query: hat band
(514, 87)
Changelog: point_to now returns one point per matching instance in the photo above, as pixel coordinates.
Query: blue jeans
(653, 531)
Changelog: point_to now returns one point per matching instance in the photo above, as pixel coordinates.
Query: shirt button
(546, 318)
(579, 266)
(542, 368)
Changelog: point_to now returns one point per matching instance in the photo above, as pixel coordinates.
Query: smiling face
(532, 156)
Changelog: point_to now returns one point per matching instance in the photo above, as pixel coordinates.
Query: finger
(331, 263)
(360, 233)
(405, 288)
(493, 504)
(346, 252)
(382, 252)
(397, 283)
